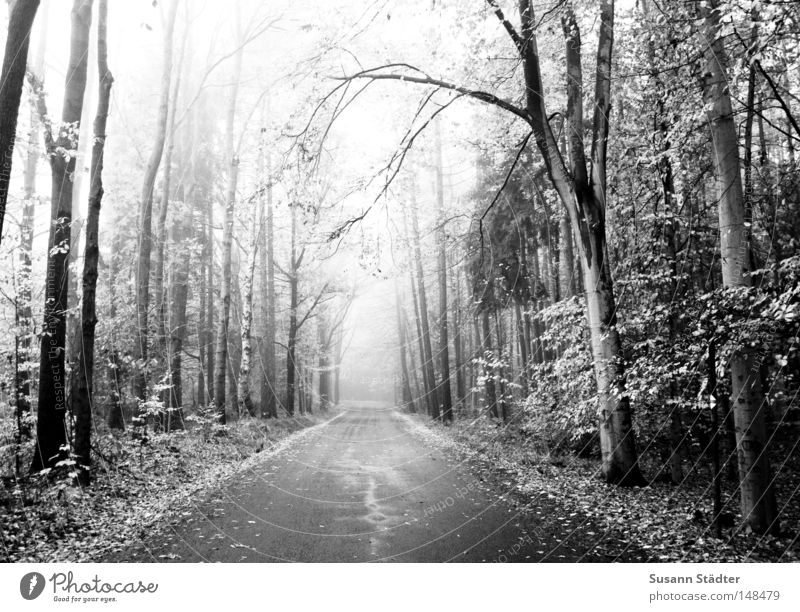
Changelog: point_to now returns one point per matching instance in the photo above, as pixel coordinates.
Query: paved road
(361, 487)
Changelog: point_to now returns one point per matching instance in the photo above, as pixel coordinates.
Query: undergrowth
(661, 522)
(138, 483)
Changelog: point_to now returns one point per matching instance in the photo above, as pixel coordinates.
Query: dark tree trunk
(15, 62)
(209, 329)
(405, 382)
(444, 393)
(427, 361)
(324, 340)
(458, 344)
(115, 418)
(82, 399)
(51, 435)
(179, 289)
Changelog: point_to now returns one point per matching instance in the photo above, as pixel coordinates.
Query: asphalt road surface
(361, 487)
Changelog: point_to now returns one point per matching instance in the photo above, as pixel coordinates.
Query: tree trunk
(566, 260)
(15, 61)
(245, 399)
(427, 361)
(51, 434)
(161, 306)
(405, 382)
(227, 238)
(324, 341)
(458, 343)
(202, 324)
(444, 393)
(74, 327)
(426, 385)
(82, 400)
(140, 346)
(176, 329)
(269, 400)
(337, 373)
(757, 495)
(523, 345)
(501, 357)
(488, 368)
(183, 233)
(291, 365)
(115, 418)
(209, 330)
(583, 195)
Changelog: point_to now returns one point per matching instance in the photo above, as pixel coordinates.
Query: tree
(145, 247)
(82, 400)
(269, 400)
(12, 77)
(431, 396)
(51, 435)
(245, 401)
(232, 156)
(402, 336)
(756, 491)
(444, 392)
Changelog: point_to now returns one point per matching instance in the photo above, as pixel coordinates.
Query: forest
(551, 241)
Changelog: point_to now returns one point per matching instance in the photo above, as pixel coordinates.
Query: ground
(367, 485)
(366, 482)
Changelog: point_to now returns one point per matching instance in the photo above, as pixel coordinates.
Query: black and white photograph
(500, 282)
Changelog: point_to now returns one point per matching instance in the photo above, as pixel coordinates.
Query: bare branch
(483, 96)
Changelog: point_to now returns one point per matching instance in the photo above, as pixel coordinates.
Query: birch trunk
(245, 399)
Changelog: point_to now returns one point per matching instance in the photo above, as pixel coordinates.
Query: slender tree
(427, 361)
(232, 157)
(82, 400)
(145, 246)
(444, 392)
(245, 400)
